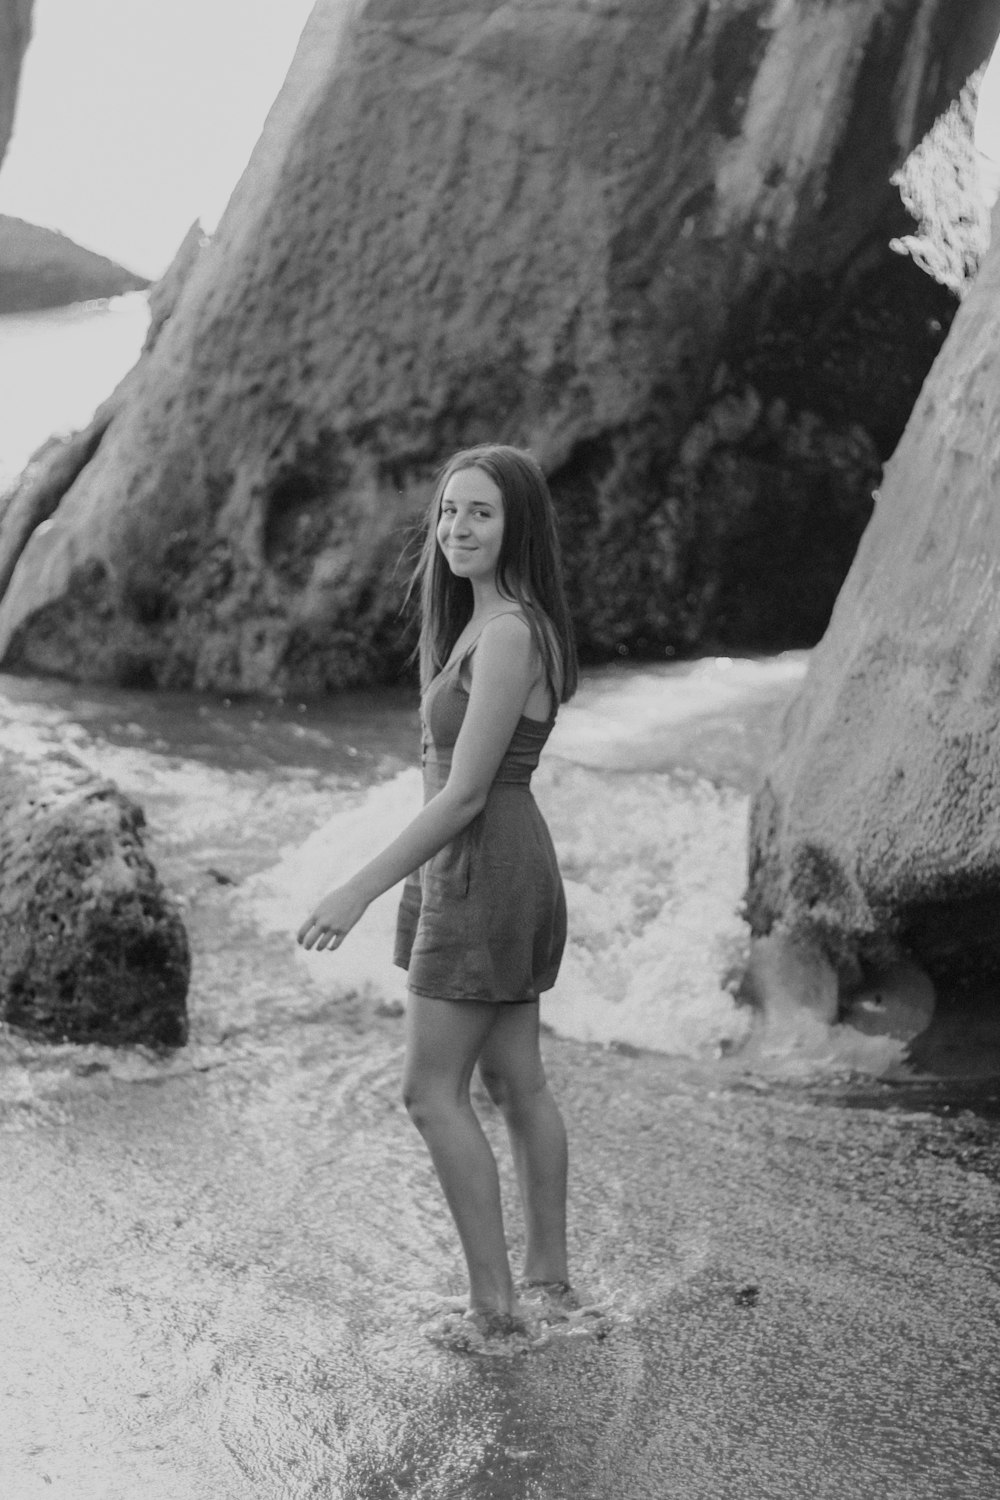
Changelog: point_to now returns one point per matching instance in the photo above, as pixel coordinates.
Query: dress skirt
(485, 919)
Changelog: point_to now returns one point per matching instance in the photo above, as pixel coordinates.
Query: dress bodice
(442, 713)
(484, 919)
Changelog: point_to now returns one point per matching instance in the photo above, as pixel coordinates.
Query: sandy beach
(219, 1261)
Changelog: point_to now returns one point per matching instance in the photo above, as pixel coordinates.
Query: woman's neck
(487, 600)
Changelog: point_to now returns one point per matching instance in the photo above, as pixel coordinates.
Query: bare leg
(511, 1068)
(443, 1040)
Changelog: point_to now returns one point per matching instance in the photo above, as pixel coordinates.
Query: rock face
(577, 227)
(876, 836)
(91, 948)
(15, 34)
(40, 268)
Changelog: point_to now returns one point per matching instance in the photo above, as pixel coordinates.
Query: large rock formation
(40, 268)
(91, 947)
(876, 836)
(580, 227)
(15, 34)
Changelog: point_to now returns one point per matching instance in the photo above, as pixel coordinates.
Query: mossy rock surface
(92, 949)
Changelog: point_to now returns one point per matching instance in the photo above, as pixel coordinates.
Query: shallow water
(218, 1262)
(247, 1246)
(57, 366)
(644, 785)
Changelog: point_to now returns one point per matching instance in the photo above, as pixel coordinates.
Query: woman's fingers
(313, 934)
(331, 919)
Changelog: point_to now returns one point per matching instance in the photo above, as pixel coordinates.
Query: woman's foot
(498, 1334)
(555, 1305)
(555, 1298)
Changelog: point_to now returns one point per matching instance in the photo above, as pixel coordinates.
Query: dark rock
(583, 229)
(15, 34)
(92, 949)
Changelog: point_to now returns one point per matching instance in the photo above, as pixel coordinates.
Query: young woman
(482, 921)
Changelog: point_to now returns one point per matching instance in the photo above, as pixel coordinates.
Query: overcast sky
(136, 117)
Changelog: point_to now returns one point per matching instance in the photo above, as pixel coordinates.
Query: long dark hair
(529, 569)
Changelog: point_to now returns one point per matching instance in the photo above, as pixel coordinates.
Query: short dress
(485, 917)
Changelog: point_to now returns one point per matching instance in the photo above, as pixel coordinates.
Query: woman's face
(470, 525)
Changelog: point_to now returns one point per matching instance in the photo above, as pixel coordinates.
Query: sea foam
(653, 861)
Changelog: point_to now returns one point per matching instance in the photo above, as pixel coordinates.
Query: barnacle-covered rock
(92, 949)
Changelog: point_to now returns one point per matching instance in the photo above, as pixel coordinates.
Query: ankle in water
(494, 1324)
(485, 1333)
(555, 1293)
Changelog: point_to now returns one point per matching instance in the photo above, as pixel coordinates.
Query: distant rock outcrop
(41, 268)
(37, 491)
(91, 947)
(875, 838)
(15, 34)
(633, 237)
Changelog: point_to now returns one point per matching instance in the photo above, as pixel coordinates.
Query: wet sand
(216, 1269)
(217, 1263)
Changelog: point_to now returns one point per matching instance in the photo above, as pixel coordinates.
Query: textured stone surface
(15, 33)
(91, 947)
(551, 225)
(877, 830)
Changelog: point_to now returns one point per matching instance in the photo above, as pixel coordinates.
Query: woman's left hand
(332, 919)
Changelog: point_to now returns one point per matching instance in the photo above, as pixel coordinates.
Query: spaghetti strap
(476, 638)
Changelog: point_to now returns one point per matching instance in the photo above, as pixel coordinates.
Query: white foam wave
(653, 868)
(644, 719)
(654, 863)
(283, 896)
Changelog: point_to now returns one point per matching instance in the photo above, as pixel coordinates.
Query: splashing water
(653, 859)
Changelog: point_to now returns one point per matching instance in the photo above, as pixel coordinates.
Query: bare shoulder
(507, 646)
(511, 625)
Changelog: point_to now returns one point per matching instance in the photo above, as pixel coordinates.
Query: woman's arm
(506, 667)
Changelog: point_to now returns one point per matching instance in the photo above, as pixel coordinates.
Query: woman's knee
(513, 1093)
(494, 1083)
(426, 1098)
(416, 1097)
